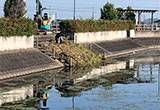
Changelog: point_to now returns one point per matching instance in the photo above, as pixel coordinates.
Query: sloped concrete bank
(22, 62)
(116, 48)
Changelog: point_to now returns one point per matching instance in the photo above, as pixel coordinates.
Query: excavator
(43, 22)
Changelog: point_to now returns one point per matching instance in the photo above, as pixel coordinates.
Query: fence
(55, 27)
(143, 27)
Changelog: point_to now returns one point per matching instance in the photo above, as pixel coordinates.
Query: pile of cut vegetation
(81, 57)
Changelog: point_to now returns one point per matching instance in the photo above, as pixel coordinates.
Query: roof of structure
(137, 11)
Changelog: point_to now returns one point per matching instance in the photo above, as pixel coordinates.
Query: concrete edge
(30, 70)
(17, 50)
(132, 51)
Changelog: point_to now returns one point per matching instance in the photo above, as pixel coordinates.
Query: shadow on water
(35, 92)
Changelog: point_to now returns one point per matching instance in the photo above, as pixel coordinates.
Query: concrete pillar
(125, 17)
(152, 17)
(139, 18)
(139, 22)
(152, 21)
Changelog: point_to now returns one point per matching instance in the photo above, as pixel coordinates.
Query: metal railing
(55, 27)
(146, 27)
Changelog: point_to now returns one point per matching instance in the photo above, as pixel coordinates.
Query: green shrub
(17, 27)
(90, 25)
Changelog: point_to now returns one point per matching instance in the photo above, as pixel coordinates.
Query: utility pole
(55, 15)
(92, 12)
(74, 10)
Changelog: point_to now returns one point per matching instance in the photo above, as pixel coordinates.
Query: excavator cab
(43, 22)
(46, 22)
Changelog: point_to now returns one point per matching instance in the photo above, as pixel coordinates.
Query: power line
(85, 8)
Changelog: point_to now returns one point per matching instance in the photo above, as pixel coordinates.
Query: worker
(59, 37)
(45, 16)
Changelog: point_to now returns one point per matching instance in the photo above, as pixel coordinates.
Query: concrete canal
(133, 83)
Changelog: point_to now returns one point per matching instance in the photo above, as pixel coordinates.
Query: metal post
(104, 55)
(70, 63)
(150, 72)
(54, 52)
(73, 103)
(138, 71)
(37, 42)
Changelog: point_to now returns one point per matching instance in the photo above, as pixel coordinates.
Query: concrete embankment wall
(147, 34)
(89, 37)
(16, 42)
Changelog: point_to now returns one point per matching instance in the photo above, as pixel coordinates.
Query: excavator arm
(38, 7)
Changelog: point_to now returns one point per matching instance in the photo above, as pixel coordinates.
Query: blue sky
(64, 8)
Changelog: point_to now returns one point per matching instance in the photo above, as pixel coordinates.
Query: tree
(109, 12)
(130, 16)
(14, 8)
(120, 14)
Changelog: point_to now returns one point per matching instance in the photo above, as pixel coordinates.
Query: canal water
(133, 83)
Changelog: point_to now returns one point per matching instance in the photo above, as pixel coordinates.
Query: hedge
(91, 25)
(17, 27)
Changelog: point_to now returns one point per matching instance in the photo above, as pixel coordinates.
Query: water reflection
(42, 93)
(25, 87)
(16, 94)
(50, 88)
(159, 81)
